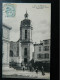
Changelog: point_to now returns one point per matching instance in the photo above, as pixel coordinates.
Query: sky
(39, 14)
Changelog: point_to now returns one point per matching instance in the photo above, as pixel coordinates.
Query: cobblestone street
(25, 74)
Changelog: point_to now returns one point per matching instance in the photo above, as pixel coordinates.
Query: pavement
(12, 73)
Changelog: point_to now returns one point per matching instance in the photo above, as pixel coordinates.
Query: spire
(26, 15)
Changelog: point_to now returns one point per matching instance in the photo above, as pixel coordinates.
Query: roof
(15, 41)
(6, 26)
(18, 40)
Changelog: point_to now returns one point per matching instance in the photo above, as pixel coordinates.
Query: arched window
(25, 34)
(25, 52)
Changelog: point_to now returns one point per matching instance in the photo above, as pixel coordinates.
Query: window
(25, 34)
(46, 55)
(46, 41)
(39, 48)
(11, 53)
(46, 48)
(40, 56)
(25, 52)
(25, 60)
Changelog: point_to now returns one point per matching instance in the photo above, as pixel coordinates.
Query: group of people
(36, 69)
(42, 70)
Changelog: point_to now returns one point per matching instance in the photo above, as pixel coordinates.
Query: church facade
(24, 46)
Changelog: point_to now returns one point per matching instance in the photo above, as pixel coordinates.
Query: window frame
(39, 48)
(46, 54)
(46, 48)
(46, 42)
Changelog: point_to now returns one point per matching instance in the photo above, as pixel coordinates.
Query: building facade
(42, 51)
(26, 43)
(5, 45)
(46, 50)
(14, 52)
(22, 50)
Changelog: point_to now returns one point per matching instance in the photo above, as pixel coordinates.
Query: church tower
(26, 39)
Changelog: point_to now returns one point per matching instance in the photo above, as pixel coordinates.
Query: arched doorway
(25, 55)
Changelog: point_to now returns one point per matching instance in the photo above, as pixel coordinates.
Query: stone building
(22, 50)
(42, 51)
(5, 46)
(46, 50)
(14, 52)
(38, 52)
(26, 44)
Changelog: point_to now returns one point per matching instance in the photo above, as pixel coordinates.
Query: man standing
(36, 69)
(43, 71)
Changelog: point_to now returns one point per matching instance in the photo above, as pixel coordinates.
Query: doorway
(25, 60)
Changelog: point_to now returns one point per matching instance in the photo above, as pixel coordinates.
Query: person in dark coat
(43, 71)
(23, 68)
(37, 70)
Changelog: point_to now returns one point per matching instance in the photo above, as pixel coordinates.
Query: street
(24, 74)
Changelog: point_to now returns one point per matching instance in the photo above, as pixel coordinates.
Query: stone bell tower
(26, 43)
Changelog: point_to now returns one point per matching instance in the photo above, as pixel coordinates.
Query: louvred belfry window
(25, 34)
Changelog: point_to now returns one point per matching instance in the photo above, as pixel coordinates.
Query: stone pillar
(5, 57)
